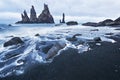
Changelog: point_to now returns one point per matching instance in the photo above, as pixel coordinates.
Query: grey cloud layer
(96, 8)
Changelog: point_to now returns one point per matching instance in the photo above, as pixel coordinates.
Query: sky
(79, 10)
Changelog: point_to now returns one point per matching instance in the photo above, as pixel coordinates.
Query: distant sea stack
(44, 17)
(33, 16)
(63, 18)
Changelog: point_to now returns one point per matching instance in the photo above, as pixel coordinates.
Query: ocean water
(18, 59)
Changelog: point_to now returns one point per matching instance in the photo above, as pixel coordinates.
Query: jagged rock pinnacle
(63, 19)
(44, 17)
(33, 16)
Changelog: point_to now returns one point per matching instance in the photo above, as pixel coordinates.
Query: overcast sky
(82, 10)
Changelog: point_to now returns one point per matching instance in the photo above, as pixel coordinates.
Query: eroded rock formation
(33, 16)
(44, 17)
(25, 18)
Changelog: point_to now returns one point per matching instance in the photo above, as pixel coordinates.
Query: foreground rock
(13, 41)
(97, 39)
(54, 50)
(72, 23)
(50, 48)
(44, 17)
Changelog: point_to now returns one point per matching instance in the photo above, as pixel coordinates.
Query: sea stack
(25, 18)
(63, 19)
(44, 17)
(33, 16)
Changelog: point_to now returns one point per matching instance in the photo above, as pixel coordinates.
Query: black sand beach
(102, 62)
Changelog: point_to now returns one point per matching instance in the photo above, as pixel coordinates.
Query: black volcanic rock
(117, 21)
(33, 16)
(25, 18)
(13, 41)
(97, 39)
(90, 24)
(45, 16)
(63, 19)
(106, 22)
(72, 23)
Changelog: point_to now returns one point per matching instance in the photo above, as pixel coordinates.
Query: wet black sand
(100, 63)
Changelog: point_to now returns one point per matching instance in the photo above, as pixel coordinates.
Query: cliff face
(44, 17)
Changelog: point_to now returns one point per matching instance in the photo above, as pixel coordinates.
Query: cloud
(89, 9)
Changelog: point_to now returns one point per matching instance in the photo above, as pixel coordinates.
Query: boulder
(97, 39)
(109, 33)
(33, 16)
(72, 23)
(54, 50)
(13, 41)
(45, 16)
(73, 38)
(9, 24)
(107, 22)
(37, 34)
(94, 30)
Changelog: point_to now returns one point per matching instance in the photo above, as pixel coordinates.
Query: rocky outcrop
(107, 22)
(72, 23)
(33, 16)
(13, 41)
(117, 21)
(90, 24)
(44, 17)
